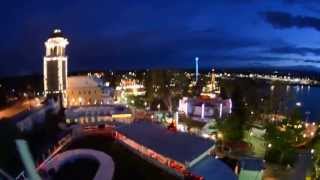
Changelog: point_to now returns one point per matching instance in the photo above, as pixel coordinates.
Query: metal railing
(51, 153)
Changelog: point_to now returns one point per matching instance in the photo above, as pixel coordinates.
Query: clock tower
(55, 66)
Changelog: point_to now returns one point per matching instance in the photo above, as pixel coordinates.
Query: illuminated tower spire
(55, 63)
(197, 68)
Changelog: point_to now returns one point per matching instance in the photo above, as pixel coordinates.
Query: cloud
(301, 2)
(312, 61)
(294, 50)
(312, 5)
(284, 20)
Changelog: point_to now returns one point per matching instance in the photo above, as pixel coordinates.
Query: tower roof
(56, 33)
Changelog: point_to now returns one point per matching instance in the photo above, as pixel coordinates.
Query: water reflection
(307, 99)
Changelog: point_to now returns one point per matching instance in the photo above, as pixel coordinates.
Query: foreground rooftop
(179, 146)
(211, 168)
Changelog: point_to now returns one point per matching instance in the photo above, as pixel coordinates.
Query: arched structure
(106, 165)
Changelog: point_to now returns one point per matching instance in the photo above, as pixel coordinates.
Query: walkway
(302, 165)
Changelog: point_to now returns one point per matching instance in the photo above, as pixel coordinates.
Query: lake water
(310, 101)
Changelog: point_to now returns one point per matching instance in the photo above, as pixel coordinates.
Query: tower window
(55, 51)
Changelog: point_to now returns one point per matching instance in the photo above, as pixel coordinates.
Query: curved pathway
(106, 164)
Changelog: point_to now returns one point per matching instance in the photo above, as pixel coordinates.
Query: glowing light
(269, 145)
(202, 111)
(306, 124)
(230, 106)
(177, 118)
(117, 116)
(57, 31)
(312, 151)
(214, 137)
(205, 135)
(272, 87)
(220, 111)
(182, 128)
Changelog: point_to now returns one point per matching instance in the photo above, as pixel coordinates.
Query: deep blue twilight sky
(124, 34)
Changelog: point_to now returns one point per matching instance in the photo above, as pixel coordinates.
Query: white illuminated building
(55, 66)
(88, 90)
(204, 110)
(209, 105)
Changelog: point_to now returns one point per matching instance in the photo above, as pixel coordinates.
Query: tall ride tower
(197, 68)
(55, 66)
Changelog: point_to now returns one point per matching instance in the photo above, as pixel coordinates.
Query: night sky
(123, 34)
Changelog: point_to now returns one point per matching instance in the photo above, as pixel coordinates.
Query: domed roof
(56, 33)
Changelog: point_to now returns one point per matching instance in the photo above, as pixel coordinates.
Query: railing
(51, 153)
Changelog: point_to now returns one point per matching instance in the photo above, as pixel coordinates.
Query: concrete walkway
(302, 165)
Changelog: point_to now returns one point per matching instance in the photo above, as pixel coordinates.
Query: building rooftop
(253, 164)
(178, 146)
(251, 168)
(95, 110)
(211, 168)
(83, 81)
